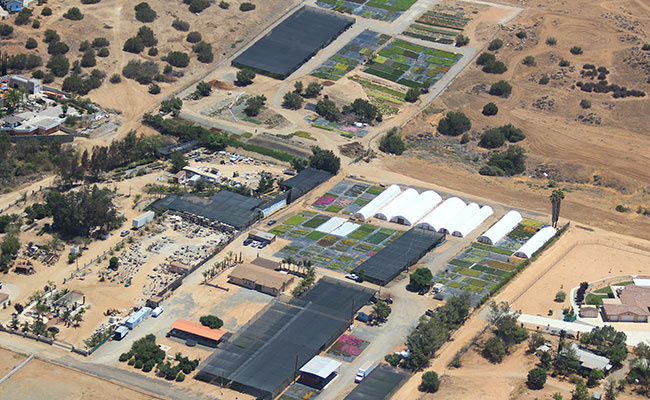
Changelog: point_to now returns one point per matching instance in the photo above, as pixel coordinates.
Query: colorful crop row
(443, 20)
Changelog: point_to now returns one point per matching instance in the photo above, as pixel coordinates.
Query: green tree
(556, 201)
(494, 350)
(298, 87)
(536, 379)
(496, 44)
(246, 6)
(580, 392)
(31, 43)
(381, 310)
(88, 59)
(73, 14)
(313, 89)
(144, 13)
(529, 61)
(179, 161)
(454, 124)
(412, 95)
(147, 36)
(490, 109)
(430, 382)
(299, 163)
(421, 278)
(292, 100)
(462, 40)
(324, 160)
(567, 361)
(10, 245)
(211, 321)
(203, 89)
(113, 263)
(254, 104)
(492, 138)
(500, 88)
(194, 37)
(363, 109)
(245, 77)
(327, 109)
(178, 59)
(133, 45)
(392, 142)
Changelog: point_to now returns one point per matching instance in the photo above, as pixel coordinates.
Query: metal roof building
(536, 242)
(444, 213)
(403, 252)
(378, 202)
(499, 230)
(463, 228)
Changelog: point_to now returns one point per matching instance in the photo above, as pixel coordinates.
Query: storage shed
(378, 202)
(499, 230)
(318, 372)
(261, 236)
(536, 242)
(443, 214)
(260, 278)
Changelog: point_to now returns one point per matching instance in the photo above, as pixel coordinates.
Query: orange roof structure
(198, 329)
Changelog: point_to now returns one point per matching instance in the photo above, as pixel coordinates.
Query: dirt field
(39, 379)
(115, 20)
(600, 160)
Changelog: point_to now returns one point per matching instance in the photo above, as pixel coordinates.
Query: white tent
(442, 214)
(461, 230)
(398, 204)
(536, 242)
(411, 213)
(331, 224)
(464, 215)
(345, 229)
(378, 202)
(497, 231)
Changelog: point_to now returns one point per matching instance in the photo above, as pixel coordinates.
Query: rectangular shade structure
(499, 230)
(378, 202)
(198, 329)
(536, 242)
(321, 367)
(293, 42)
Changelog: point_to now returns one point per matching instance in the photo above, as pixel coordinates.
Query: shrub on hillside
(501, 88)
(454, 124)
(181, 25)
(144, 12)
(31, 43)
(142, 72)
(490, 109)
(392, 142)
(576, 50)
(246, 6)
(193, 37)
(496, 44)
(178, 59)
(73, 14)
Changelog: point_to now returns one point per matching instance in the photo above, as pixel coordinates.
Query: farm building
(589, 360)
(462, 228)
(142, 219)
(262, 358)
(588, 312)
(499, 230)
(260, 278)
(439, 218)
(382, 382)
(229, 208)
(318, 372)
(179, 268)
(631, 305)
(32, 85)
(378, 202)
(293, 42)
(403, 252)
(184, 329)
(536, 242)
(138, 317)
(306, 180)
(261, 236)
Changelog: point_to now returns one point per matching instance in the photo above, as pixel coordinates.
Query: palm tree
(77, 319)
(14, 323)
(14, 98)
(205, 276)
(66, 318)
(42, 309)
(556, 199)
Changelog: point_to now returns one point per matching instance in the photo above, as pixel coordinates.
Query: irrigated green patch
(377, 237)
(375, 189)
(316, 221)
(493, 249)
(455, 284)
(315, 236)
(470, 272)
(295, 220)
(281, 229)
(460, 263)
(334, 209)
(362, 232)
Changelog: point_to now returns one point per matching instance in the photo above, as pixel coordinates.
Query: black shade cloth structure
(381, 383)
(229, 208)
(403, 252)
(293, 42)
(264, 357)
(306, 180)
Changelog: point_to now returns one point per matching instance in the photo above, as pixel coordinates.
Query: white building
(499, 230)
(378, 202)
(536, 242)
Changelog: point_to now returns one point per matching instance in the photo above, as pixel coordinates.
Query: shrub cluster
(454, 124)
(144, 12)
(392, 142)
(496, 137)
(500, 88)
(21, 61)
(490, 64)
(141, 71)
(73, 14)
(507, 163)
(76, 84)
(181, 25)
(246, 6)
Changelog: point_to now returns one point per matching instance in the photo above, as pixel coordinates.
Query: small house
(261, 236)
(204, 335)
(588, 312)
(179, 268)
(631, 305)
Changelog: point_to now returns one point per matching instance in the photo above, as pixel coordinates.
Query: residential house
(631, 305)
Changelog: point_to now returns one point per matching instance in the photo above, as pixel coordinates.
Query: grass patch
(594, 300)
(377, 237)
(606, 290)
(470, 272)
(315, 236)
(295, 220)
(460, 263)
(455, 285)
(304, 135)
(624, 283)
(478, 282)
(362, 232)
(493, 249)
(375, 190)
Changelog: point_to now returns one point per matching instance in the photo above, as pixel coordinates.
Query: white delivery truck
(157, 311)
(363, 372)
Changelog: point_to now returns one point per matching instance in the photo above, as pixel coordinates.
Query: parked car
(363, 317)
(354, 277)
(248, 241)
(125, 233)
(262, 245)
(424, 290)
(271, 222)
(429, 313)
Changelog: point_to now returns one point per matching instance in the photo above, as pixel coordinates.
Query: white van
(157, 311)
